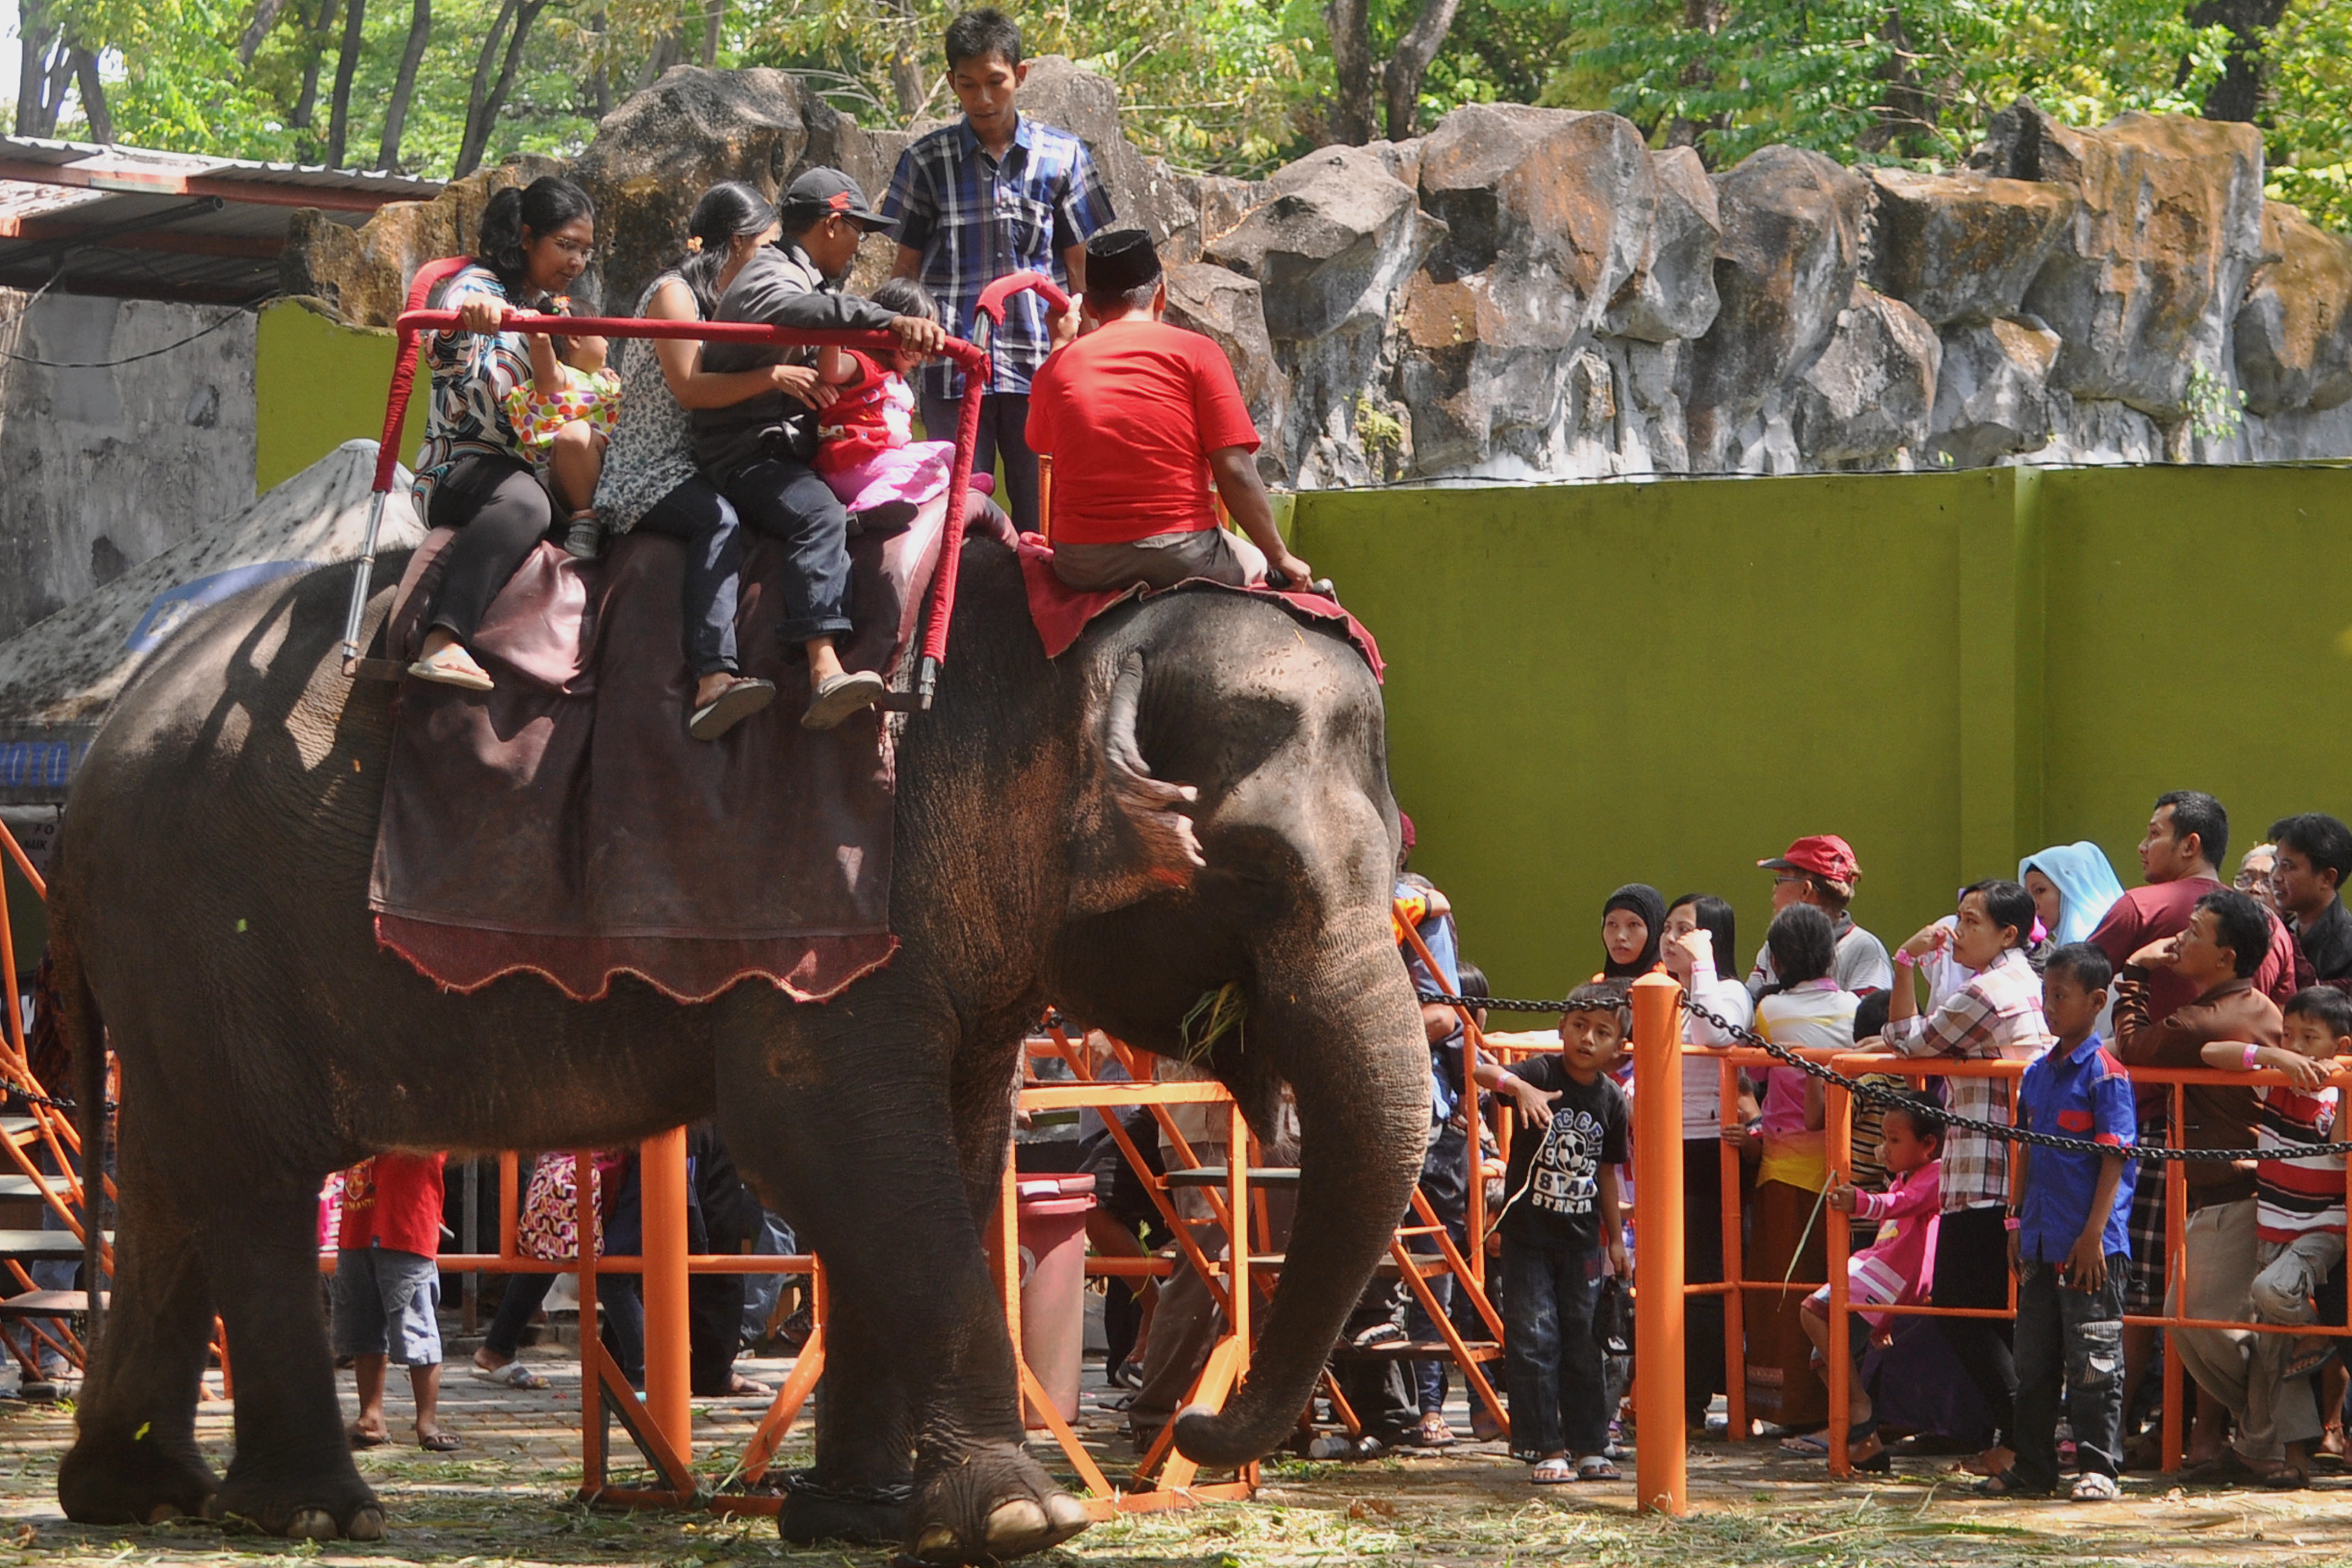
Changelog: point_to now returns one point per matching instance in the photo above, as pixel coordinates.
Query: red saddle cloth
(1061, 612)
(565, 825)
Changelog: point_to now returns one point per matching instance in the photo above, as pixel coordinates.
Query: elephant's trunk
(1350, 1040)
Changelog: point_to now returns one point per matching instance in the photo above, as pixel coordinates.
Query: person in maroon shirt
(2181, 856)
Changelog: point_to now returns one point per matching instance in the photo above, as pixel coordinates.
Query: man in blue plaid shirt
(991, 195)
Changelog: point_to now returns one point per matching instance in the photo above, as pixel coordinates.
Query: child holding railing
(2298, 1218)
(1892, 1271)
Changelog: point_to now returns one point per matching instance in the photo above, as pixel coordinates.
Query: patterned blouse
(472, 374)
(652, 452)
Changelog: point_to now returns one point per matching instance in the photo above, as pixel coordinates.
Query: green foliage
(2309, 134)
(1241, 86)
(1865, 81)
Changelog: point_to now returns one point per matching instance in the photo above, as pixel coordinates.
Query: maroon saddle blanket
(565, 825)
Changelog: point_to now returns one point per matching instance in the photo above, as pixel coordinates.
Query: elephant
(1194, 794)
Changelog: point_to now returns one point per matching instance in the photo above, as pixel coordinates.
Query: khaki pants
(2290, 1271)
(2218, 1270)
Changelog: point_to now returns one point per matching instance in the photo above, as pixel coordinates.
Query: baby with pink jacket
(1895, 1270)
(867, 449)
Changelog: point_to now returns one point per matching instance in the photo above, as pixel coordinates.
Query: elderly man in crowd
(1820, 870)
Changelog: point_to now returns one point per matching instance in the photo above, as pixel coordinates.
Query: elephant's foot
(323, 1507)
(810, 1516)
(139, 1481)
(997, 1503)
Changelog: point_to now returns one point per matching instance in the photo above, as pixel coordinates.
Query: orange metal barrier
(1658, 1053)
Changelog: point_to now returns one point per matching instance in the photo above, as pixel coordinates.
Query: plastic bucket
(1053, 1226)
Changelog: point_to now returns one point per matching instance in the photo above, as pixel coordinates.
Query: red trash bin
(1052, 1220)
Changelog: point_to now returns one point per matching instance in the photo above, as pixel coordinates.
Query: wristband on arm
(2251, 1052)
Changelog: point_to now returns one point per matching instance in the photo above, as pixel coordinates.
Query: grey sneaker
(585, 540)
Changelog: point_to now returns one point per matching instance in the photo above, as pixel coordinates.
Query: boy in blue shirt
(2070, 1243)
(992, 194)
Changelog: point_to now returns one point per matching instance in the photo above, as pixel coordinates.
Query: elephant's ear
(1131, 838)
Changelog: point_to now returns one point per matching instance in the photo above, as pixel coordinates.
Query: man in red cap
(1820, 869)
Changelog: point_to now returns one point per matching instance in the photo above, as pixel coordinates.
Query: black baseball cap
(822, 192)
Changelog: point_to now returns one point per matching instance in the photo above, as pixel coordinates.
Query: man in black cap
(1137, 417)
(758, 452)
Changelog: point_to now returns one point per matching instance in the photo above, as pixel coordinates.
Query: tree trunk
(1408, 62)
(339, 107)
(479, 127)
(905, 60)
(667, 52)
(1698, 16)
(1351, 62)
(712, 15)
(2236, 94)
(94, 111)
(314, 46)
(404, 87)
(264, 16)
(476, 133)
(600, 83)
(46, 65)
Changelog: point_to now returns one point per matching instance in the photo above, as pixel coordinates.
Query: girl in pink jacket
(1892, 1271)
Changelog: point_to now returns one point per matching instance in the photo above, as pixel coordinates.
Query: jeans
(1972, 1271)
(695, 513)
(1003, 434)
(1551, 1365)
(501, 511)
(2064, 1332)
(790, 503)
(523, 1295)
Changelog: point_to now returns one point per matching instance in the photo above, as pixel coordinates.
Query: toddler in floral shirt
(563, 416)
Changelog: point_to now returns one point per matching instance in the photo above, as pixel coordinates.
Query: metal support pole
(1661, 1468)
(661, 1193)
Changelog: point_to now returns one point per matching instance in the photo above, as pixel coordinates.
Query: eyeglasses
(583, 254)
(1785, 877)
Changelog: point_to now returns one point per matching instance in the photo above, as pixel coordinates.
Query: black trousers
(1972, 1271)
(501, 511)
(1003, 434)
(1703, 1371)
(788, 501)
(695, 513)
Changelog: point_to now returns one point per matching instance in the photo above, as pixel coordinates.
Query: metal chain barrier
(1879, 1094)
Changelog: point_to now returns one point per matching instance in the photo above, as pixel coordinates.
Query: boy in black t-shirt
(1561, 1231)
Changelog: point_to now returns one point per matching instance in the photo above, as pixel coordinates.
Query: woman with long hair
(473, 473)
(650, 479)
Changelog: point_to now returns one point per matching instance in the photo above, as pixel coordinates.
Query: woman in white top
(1699, 926)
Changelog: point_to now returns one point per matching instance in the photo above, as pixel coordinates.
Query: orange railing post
(661, 1196)
(1661, 1470)
(1838, 1233)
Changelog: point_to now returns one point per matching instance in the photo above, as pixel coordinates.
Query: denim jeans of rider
(1551, 1365)
(2077, 1336)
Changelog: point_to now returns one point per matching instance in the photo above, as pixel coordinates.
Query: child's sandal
(1597, 1467)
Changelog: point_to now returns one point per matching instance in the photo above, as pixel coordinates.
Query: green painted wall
(1665, 682)
(317, 384)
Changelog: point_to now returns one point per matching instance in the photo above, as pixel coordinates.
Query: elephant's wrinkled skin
(210, 907)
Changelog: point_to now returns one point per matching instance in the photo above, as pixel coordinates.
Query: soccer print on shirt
(1565, 1178)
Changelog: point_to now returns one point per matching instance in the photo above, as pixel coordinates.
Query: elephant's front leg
(852, 1128)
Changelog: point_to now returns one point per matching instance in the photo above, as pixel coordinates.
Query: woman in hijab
(2073, 888)
(1631, 924)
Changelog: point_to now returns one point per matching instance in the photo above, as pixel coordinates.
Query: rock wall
(1530, 293)
(106, 466)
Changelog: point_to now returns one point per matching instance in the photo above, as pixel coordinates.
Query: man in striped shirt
(2298, 1217)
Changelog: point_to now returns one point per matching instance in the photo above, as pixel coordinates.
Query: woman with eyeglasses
(474, 474)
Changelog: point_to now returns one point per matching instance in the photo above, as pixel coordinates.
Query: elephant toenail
(937, 1545)
(1015, 1525)
(367, 1525)
(1069, 1515)
(163, 1514)
(311, 1524)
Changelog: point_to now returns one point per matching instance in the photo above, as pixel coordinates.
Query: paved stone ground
(506, 1497)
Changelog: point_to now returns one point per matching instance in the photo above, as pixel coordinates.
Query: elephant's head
(1238, 827)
